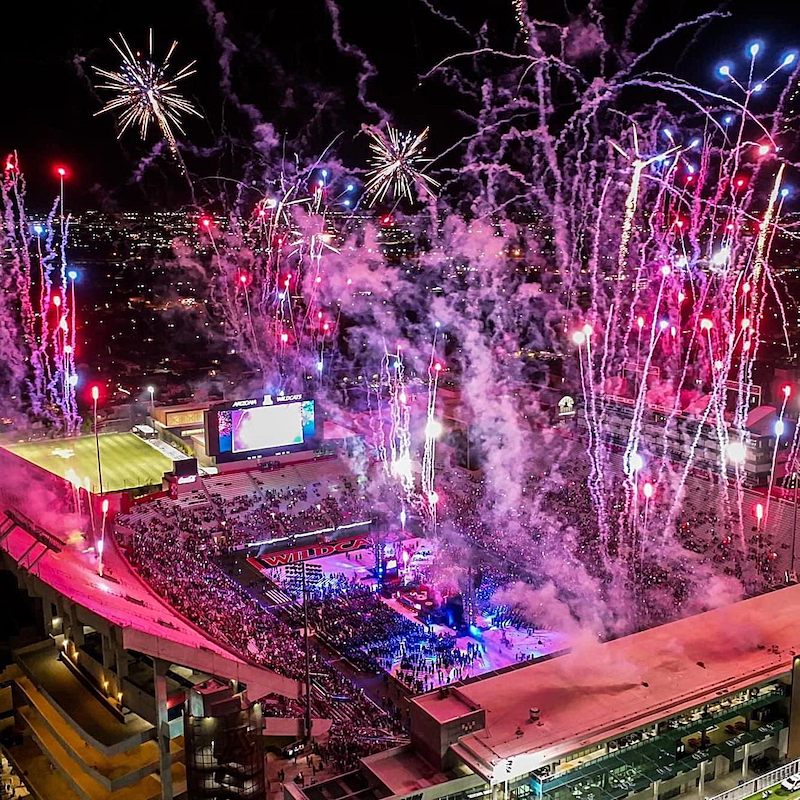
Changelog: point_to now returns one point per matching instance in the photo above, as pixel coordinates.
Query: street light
(795, 476)
(95, 396)
(306, 644)
(152, 390)
(433, 500)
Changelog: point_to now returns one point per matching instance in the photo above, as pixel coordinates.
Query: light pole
(307, 654)
(794, 523)
(647, 490)
(639, 325)
(95, 396)
(152, 390)
(759, 537)
(636, 462)
(433, 499)
(101, 541)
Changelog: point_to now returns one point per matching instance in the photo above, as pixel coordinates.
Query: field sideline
(127, 462)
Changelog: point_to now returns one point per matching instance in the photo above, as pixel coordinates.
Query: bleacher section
(229, 487)
(232, 509)
(191, 500)
(780, 524)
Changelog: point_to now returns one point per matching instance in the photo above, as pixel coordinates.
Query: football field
(126, 461)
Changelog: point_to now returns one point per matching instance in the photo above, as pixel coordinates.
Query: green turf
(127, 462)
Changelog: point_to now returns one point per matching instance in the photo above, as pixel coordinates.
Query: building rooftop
(601, 690)
(402, 771)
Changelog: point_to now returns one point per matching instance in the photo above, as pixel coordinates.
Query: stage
(499, 648)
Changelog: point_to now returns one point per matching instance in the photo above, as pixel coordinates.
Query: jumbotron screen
(263, 426)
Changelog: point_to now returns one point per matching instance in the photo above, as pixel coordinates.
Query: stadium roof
(600, 691)
(148, 624)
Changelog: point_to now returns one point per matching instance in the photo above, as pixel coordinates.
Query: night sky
(288, 66)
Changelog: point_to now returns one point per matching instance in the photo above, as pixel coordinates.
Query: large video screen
(265, 427)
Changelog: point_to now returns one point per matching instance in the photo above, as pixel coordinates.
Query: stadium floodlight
(736, 452)
(433, 430)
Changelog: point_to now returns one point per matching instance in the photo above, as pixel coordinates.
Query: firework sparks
(145, 92)
(520, 16)
(397, 165)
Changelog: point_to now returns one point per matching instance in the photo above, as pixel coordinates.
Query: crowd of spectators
(197, 588)
(554, 512)
(269, 513)
(169, 546)
(375, 637)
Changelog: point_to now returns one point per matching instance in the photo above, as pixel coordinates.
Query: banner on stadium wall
(299, 554)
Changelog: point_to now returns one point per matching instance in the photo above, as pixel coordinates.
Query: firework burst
(397, 164)
(145, 92)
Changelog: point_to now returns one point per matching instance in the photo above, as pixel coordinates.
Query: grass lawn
(776, 792)
(127, 462)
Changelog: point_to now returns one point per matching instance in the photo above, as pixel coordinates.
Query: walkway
(78, 703)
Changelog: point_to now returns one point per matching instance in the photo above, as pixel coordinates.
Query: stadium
(483, 472)
(257, 585)
(203, 568)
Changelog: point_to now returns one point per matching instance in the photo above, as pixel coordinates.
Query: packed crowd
(377, 638)
(349, 742)
(555, 513)
(202, 592)
(162, 544)
(268, 513)
(705, 531)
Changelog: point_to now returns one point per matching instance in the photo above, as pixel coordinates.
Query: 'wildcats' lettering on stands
(295, 556)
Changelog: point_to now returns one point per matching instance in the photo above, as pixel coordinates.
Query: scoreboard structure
(262, 426)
